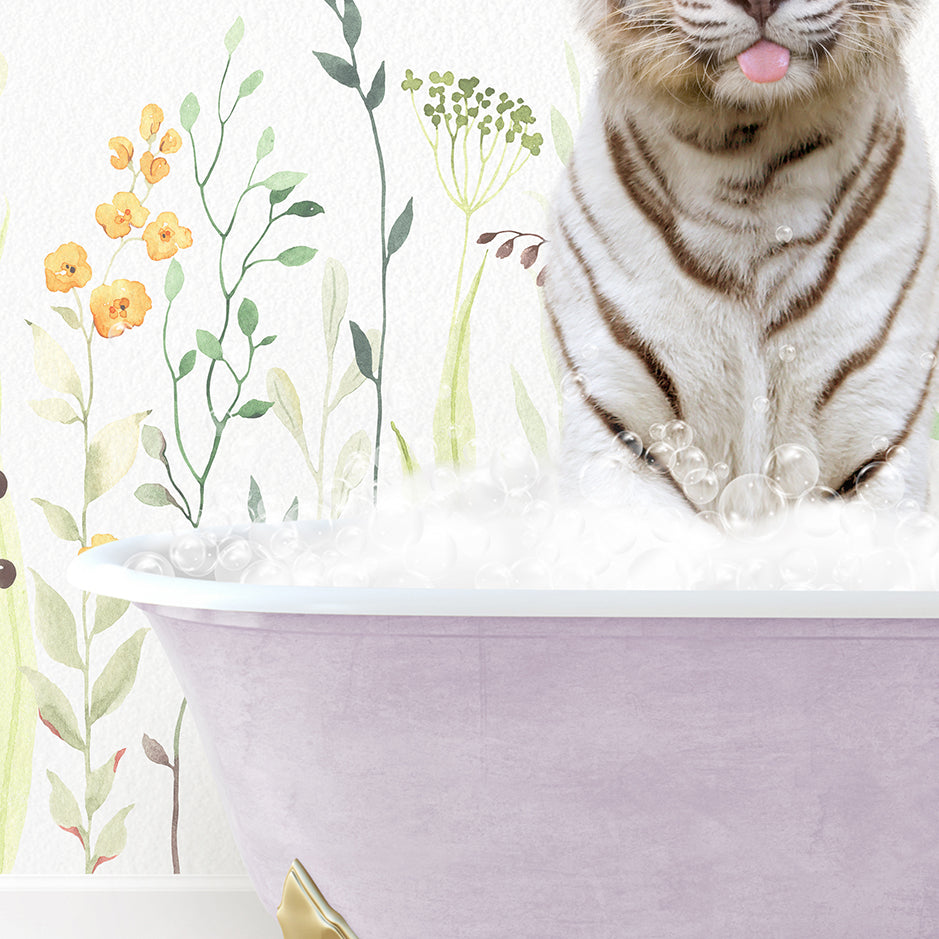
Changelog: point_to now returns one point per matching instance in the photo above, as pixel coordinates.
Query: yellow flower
(117, 216)
(118, 306)
(96, 540)
(154, 168)
(165, 236)
(151, 117)
(124, 150)
(170, 142)
(67, 267)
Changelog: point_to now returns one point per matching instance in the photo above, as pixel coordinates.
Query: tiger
(746, 255)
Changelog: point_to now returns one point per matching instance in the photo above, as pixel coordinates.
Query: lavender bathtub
(460, 764)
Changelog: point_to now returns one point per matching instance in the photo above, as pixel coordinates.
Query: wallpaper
(257, 260)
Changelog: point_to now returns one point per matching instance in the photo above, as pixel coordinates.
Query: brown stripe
(860, 358)
(663, 218)
(613, 424)
(590, 218)
(848, 487)
(861, 211)
(624, 335)
(756, 186)
(737, 138)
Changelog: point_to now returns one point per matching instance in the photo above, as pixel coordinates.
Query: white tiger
(746, 241)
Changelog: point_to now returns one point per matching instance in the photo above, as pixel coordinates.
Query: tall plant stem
(174, 843)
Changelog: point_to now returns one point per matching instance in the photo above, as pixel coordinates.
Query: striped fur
(672, 297)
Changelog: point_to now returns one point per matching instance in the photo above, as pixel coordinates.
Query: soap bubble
(759, 574)
(927, 360)
(678, 434)
(899, 456)
(819, 511)
(600, 480)
(751, 507)
(531, 573)
(658, 569)
(880, 485)
(629, 441)
(793, 469)
(235, 554)
(787, 353)
(350, 540)
(657, 431)
(494, 576)
(858, 519)
(514, 467)
(308, 569)
(573, 386)
(663, 456)
(799, 566)
(688, 460)
(286, 542)
(434, 553)
(149, 562)
(784, 234)
(917, 536)
(761, 404)
(482, 498)
(192, 554)
(701, 486)
(266, 571)
(395, 525)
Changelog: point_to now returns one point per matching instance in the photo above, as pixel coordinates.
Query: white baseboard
(139, 907)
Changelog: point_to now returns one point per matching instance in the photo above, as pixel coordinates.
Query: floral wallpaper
(258, 262)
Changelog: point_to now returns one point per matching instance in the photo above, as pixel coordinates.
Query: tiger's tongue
(764, 61)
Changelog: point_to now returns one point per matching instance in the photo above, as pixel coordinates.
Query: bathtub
(452, 764)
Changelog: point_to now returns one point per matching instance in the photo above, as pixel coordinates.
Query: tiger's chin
(732, 88)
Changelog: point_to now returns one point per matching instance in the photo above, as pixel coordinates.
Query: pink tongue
(764, 61)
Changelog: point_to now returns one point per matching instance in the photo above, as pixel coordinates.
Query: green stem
(174, 838)
(454, 377)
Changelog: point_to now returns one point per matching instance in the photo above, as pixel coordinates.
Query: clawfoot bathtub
(457, 764)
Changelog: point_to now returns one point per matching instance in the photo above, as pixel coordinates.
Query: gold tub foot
(304, 913)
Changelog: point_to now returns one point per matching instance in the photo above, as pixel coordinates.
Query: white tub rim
(101, 570)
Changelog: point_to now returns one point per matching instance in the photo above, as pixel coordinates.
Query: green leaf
(287, 409)
(208, 344)
(69, 315)
(335, 301)
(572, 68)
(279, 195)
(338, 69)
(376, 94)
(154, 443)
(187, 363)
(563, 138)
(53, 366)
(351, 23)
(935, 426)
(54, 709)
(248, 316)
(100, 782)
(454, 424)
(297, 256)
(234, 35)
(265, 144)
(55, 625)
(532, 423)
(409, 465)
(173, 282)
(351, 467)
(401, 228)
(111, 454)
(293, 513)
(113, 838)
(108, 610)
(353, 378)
(63, 805)
(156, 495)
(189, 111)
(256, 512)
(266, 341)
(255, 408)
(283, 180)
(60, 521)
(250, 84)
(55, 409)
(305, 209)
(332, 4)
(363, 351)
(117, 677)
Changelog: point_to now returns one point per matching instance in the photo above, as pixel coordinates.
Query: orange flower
(170, 142)
(96, 540)
(154, 168)
(151, 117)
(124, 150)
(118, 306)
(67, 267)
(117, 216)
(165, 236)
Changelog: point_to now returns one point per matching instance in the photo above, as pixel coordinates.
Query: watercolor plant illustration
(353, 462)
(346, 73)
(17, 651)
(113, 307)
(155, 752)
(224, 380)
(480, 142)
